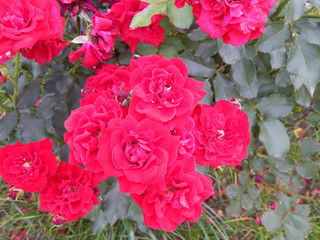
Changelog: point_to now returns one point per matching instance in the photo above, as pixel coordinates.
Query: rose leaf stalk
(15, 85)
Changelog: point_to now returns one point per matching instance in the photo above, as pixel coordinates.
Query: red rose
(27, 166)
(162, 90)
(76, 6)
(24, 22)
(44, 50)
(70, 193)
(222, 134)
(137, 153)
(181, 201)
(187, 141)
(110, 79)
(123, 12)
(101, 35)
(84, 128)
(235, 21)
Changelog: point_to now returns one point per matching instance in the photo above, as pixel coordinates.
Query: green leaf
(246, 201)
(195, 65)
(314, 118)
(47, 106)
(293, 233)
(308, 169)
(272, 221)
(294, 11)
(230, 54)
(274, 38)
(308, 148)
(208, 98)
(224, 88)
(309, 30)
(278, 58)
(259, 164)
(274, 136)
(280, 237)
(234, 208)
(143, 18)
(284, 165)
(298, 182)
(29, 95)
(180, 17)
(302, 96)
(254, 193)
(244, 179)
(197, 35)
(233, 191)
(168, 51)
(207, 49)
(274, 106)
(115, 204)
(303, 64)
(248, 91)
(283, 78)
(31, 129)
(302, 209)
(7, 124)
(146, 49)
(244, 71)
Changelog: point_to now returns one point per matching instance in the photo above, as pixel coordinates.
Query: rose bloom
(138, 153)
(76, 6)
(25, 22)
(84, 128)
(70, 193)
(101, 35)
(110, 79)
(221, 133)
(162, 90)
(27, 166)
(123, 13)
(186, 139)
(44, 50)
(181, 201)
(236, 21)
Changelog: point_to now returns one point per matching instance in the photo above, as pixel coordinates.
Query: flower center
(69, 191)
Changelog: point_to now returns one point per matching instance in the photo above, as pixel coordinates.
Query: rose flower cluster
(67, 191)
(236, 21)
(144, 125)
(33, 28)
(105, 28)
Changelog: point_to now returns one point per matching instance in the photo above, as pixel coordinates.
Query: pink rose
(70, 193)
(101, 35)
(180, 201)
(162, 90)
(235, 21)
(24, 22)
(84, 127)
(27, 166)
(222, 134)
(138, 153)
(123, 12)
